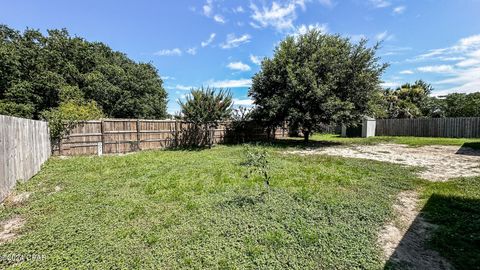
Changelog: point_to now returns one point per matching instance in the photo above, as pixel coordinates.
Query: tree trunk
(306, 135)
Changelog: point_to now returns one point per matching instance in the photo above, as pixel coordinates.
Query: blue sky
(220, 42)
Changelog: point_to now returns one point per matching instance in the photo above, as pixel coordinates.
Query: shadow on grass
(296, 143)
(469, 149)
(455, 235)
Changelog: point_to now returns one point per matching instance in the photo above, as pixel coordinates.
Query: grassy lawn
(455, 207)
(196, 209)
(411, 141)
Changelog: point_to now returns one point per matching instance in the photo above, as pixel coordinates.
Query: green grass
(195, 209)
(411, 141)
(455, 207)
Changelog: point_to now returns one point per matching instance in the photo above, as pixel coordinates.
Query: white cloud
(390, 84)
(167, 78)
(255, 59)
(463, 74)
(436, 69)
(238, 66)
(327, 3)
(209, 40)
(234, 41)
(238, 9)
(384, 36)
(192, 51)
(380, 3)
(303, 29)
(183, 87)
(208, 8)
(168, 52)
(219, 18)
(208, 11)
(407, 72)
(279, 16)
(399, 9)
(242, 102)
(230, 83)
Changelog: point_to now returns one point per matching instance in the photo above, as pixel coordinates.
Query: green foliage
(256, 160)
(454, 207)
(141, 211)
(64, 118)
(316, 79)
(325, 139)
(408, 101)
(206, 106)
(39, 72)
(414, 101)
(462, 105)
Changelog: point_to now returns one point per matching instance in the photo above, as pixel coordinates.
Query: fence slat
(127, 135)
(24, 147)
(460, 127)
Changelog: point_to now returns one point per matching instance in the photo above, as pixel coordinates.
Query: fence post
(102, 132)
(138, 135)
(176, 133)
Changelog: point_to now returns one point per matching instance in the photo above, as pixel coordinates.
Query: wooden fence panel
(24, 147)
(128, 135)
(460, 127)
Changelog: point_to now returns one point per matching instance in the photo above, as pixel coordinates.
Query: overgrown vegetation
(38, 72)
(64, 118)
(141, 211)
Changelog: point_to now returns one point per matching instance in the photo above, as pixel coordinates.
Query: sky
(220, 43)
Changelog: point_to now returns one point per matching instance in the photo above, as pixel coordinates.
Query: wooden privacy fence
(461, 127)
(24, 147)
(109, 136)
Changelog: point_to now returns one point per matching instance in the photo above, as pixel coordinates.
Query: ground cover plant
(455, 208)
(195, 209)
(411, 141)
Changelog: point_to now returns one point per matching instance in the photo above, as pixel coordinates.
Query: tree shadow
(299, 143)
(447, 225)
(469, 149)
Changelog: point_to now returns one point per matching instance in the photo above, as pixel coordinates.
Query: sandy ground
(9, 228)
(404, 240)
(440, 162)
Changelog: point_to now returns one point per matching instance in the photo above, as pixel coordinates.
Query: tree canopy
(415, 100)
(38, 72)
(316, 79)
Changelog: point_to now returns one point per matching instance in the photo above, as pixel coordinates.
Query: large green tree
(38, 71)
(316, 79)
(462, 105)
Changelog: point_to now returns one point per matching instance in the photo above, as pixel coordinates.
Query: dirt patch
(440, 162)
(404, 241)
(9, 229)
(15, 199)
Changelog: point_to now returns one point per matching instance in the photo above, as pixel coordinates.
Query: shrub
(64, 118)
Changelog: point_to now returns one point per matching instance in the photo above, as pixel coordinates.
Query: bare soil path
(440, 162)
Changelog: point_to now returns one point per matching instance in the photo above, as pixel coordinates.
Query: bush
(63, 119)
